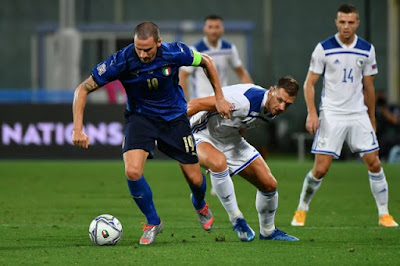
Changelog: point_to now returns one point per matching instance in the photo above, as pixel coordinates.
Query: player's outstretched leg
(310, 187)
(379, 189)
(142, 195)
(204, 213)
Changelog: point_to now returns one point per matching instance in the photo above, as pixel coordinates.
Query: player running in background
(156, 111)
(223, 150)
(347, 111)
(224, 55)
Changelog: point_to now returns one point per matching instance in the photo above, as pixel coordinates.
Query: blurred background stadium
(48, 47)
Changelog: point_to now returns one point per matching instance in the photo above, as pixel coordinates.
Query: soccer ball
(106, 230)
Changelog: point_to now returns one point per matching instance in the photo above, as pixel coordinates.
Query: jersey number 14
(347, 75)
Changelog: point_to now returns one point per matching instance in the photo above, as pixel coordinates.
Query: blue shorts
(174, 138)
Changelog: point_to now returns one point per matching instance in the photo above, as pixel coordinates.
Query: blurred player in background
(224, 55)
(156, 111)
(223, 150)
(347, 111)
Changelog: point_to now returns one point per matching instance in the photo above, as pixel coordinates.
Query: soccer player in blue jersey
(156, 112)
(224, 54)
(347, 111)
(223, 150)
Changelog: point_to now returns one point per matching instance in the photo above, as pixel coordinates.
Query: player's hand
(312, 123)
(224, 108)
(80, 139)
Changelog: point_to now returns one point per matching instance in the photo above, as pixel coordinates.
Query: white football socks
(310, 187)
(223, 187)
(379, 189)
(266, 205)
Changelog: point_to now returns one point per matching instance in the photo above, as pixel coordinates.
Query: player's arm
(183, 76)
(201, 104)
(222, 106)
(243, 75)
(79, 138)
(309, 96)
(369, 97)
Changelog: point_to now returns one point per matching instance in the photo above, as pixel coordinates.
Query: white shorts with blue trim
(238, 152)
(334, 129)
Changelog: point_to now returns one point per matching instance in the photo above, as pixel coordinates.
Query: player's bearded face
(146, 49)
(347, 25)
(279, 101)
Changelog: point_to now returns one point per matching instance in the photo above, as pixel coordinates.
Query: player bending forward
(223, 151)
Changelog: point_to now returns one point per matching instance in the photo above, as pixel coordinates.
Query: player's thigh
(330, 135)
(176, 141)
(259, 174)
(140, 133)
(361, 138)
(239, 154)
(134, 161)
(210, 157)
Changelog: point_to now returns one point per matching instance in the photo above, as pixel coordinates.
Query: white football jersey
(248, 112)
(225, 55)
(343, 69)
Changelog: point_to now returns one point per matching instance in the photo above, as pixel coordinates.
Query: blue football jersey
(152, 88)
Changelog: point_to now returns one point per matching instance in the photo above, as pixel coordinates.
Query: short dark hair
(212, 17)
(347, 9)
(147, 29)
(289, 84)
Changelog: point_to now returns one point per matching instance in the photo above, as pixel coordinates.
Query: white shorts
(238, 152)
(355, 129)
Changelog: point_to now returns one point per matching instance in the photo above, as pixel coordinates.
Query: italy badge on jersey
(166, 71)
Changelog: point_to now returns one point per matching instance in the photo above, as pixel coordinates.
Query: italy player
(222, 149)
(156, 111)
(347, 111)
(224, 54)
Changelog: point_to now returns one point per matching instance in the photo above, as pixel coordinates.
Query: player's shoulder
(171, 50)
(330, 43)
(363, 44)
(226, 44)
(200, 46)
(173, 47)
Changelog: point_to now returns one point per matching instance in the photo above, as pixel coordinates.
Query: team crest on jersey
(360, 62)
(101, 69)
(166, 71)
(321, 143)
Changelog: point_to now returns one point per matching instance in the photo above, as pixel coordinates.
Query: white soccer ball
(106, 230)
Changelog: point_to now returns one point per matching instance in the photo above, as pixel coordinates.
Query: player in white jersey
(347, 111)
(223, 150)
(224, 55)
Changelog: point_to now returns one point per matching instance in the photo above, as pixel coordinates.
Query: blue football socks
(198, 195)
(142, 195)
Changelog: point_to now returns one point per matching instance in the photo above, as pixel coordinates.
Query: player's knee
(218, 163)
(132, 173)
(270, 185)
(374, 166)
(320, 171)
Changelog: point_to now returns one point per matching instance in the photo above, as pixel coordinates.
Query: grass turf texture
(46, 208)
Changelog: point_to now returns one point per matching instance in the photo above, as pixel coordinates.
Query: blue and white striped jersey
(225, 56)
(249, 111)
(343, 68)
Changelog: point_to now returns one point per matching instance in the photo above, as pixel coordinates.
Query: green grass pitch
(46, 208)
